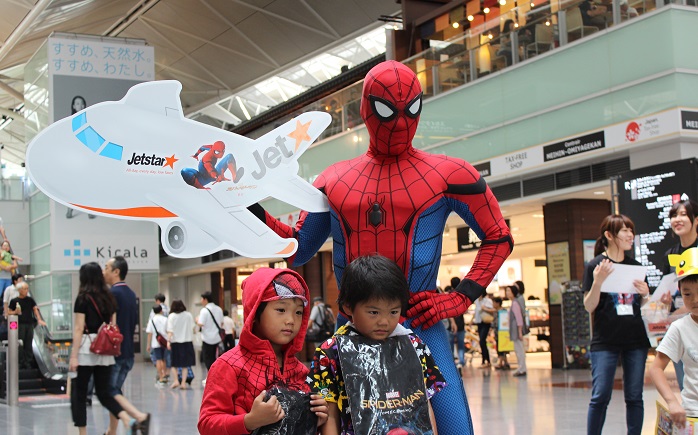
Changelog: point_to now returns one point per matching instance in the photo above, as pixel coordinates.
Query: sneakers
(518, 373)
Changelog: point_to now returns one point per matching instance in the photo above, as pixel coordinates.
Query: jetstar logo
(151, 160)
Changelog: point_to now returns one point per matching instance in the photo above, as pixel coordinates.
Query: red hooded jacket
(242, 373)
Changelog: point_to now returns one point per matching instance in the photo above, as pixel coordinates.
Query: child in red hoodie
(276, 313)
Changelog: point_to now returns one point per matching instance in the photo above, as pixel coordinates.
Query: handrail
(52, 354)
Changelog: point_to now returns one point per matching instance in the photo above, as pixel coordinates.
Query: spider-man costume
(208, 170)
(242, 373)
(394, 200)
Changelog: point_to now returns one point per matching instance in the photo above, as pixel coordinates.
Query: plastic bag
(385, 385)
(299, 420)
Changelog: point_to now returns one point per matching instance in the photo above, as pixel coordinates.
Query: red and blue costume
(394, 200)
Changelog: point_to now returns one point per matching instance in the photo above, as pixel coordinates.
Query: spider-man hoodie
(242, 373)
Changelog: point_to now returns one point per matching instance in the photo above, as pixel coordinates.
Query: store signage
(689, 120)
(484, 169)
(520, 160)
(646, 196)
(574, 146)
(637, 130)
(558, 255)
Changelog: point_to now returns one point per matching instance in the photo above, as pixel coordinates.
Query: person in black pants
(93, 306)
(25, 308)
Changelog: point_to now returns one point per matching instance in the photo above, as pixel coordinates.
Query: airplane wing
(252, 238)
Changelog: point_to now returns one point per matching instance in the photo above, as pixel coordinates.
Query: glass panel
(149, 286)
(40, 262)
(40, 231)
(63, 286)
(40, 289)
(38, 206)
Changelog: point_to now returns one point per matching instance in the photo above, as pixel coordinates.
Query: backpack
(323, 326)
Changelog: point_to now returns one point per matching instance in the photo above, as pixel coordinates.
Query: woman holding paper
(683, 217)
(618, 330)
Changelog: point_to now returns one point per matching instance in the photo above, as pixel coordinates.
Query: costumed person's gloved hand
(429, 307)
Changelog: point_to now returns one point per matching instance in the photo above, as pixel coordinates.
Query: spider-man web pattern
(394, 200)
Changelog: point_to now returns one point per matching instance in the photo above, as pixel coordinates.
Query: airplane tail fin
(300, 132)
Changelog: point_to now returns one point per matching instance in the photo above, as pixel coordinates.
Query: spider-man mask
(218, 148)
(390, 107)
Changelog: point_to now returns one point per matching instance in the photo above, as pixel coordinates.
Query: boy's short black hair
(225, 312)
(373, 277)
(16, 277)
(207, 296)
(497, 299)
(160, 297)
(689, 278)
(157, 309)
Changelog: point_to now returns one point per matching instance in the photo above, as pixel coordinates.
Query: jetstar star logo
(151, 160)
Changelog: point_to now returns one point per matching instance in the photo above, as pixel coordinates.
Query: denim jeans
(119, 372)
(603, 370)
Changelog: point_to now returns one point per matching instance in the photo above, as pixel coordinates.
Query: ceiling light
(516, 25)
(502, 2)
(470, 18)
(537, 215)
(547, 22)
(599, 192)
(486, 10)
(532, 4)
(456, 25)
(490, 36)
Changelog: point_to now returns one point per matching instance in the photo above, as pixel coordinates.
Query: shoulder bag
(162, 341)
(109, 338)
(221, 331)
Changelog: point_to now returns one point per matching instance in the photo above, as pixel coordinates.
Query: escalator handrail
(42, 336)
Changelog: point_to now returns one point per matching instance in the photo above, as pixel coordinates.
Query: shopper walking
(229, 327)
(618, 330)
(180, 329)
(157, 330)
(484, 315)
(93, 306)
(683, 217)
(517, 328)
(211, 321)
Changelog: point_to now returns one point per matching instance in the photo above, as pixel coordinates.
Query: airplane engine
(183, 239)
(174, 237)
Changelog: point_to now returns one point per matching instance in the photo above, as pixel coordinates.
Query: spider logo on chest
(375, 215)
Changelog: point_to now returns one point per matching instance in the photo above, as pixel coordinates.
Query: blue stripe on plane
(93, 140)
(113, 151)
(79, 121)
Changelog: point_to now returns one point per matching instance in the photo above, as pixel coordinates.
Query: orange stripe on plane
(136, 212)
(288, 249)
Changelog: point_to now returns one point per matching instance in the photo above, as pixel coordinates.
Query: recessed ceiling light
(599, 192)
(539, 216)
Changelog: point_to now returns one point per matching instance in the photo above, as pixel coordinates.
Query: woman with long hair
(94, 306)
(618, 330)
(77, 104)
(683, 217)
(180, 326)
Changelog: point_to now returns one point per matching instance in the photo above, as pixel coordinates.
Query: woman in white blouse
(180, 328)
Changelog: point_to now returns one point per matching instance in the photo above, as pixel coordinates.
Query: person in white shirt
(157, 325)
(681, 343)
(11, 292)
(180, 329)
(229, 327)
(210, 320)
(160, 300)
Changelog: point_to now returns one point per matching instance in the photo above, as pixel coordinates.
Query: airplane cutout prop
(140, 158)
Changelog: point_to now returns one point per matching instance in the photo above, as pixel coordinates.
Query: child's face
(375, 318)
(689, 292)
(280, 321)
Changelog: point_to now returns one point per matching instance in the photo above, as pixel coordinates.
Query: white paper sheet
(667, 284)
(621, 278)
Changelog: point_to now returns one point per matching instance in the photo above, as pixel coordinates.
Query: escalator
(52, 356)
(49, 372)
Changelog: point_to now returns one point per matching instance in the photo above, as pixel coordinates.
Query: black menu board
(646, 196)
(576, 334)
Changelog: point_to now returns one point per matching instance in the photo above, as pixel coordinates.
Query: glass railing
(488, 48)
(13, 189)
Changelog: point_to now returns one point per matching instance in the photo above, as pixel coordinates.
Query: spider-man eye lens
(382, 108)
(414, 107)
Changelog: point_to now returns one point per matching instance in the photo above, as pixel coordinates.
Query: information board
(646, 196)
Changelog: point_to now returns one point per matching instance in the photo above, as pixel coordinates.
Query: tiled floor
(545, 402)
